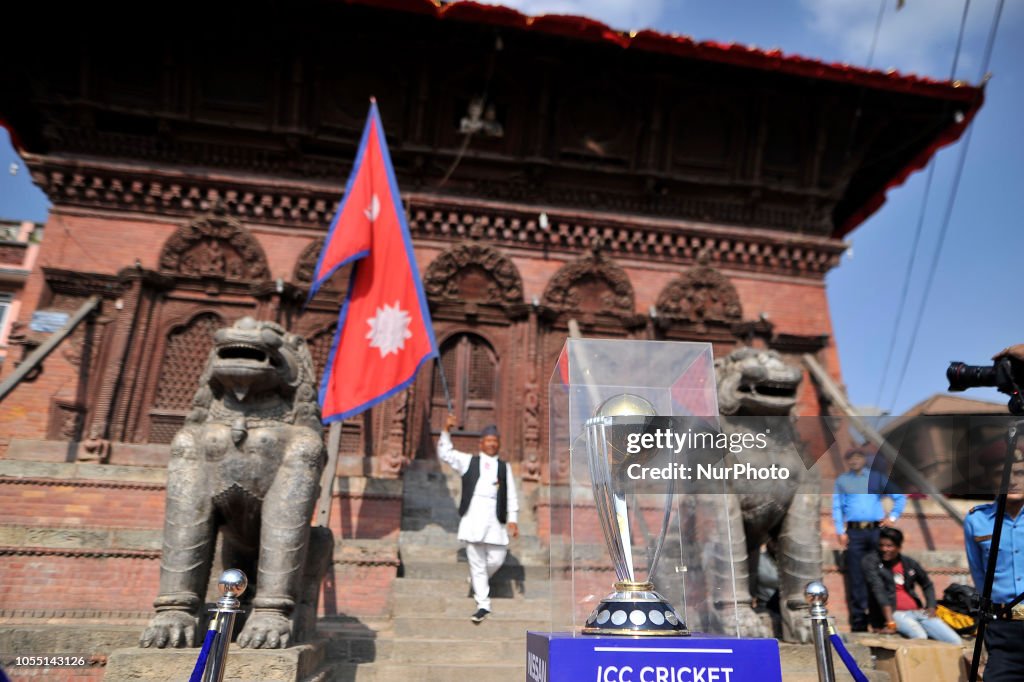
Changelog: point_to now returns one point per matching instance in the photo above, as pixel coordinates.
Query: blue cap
(489, 430)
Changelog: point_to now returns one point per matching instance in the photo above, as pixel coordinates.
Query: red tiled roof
(584, 29)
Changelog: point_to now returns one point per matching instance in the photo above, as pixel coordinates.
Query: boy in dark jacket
(891, 579)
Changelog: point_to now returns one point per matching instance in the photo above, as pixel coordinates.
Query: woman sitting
(891, 578)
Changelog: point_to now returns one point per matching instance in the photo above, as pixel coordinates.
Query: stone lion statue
(247, 462)
(757, 383)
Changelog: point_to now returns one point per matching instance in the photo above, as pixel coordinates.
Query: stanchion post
(817, 596)
(232, 584)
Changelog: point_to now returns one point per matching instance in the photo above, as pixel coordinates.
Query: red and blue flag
(384, 331)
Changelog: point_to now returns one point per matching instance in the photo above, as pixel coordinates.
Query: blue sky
(975, 301)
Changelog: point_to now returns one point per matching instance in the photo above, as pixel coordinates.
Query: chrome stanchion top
(817, 596)
(232, 584)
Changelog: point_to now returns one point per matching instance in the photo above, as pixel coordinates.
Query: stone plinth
(302, 663)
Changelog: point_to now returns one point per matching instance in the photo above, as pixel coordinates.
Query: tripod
(986, 609)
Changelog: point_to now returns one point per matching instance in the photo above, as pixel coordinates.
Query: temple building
(19, 246)
(554, 170)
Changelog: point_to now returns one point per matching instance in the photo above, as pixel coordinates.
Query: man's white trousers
(484, 561)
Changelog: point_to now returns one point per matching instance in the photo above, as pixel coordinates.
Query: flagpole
(323, 506)
(444, 383)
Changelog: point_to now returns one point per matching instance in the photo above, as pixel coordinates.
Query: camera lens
(962, 376)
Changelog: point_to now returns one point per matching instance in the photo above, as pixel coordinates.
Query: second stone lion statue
(248, 462)
(757, 383)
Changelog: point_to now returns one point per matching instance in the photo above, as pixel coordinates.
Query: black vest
(469, 480)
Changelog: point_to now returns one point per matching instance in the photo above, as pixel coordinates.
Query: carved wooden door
(472, 369)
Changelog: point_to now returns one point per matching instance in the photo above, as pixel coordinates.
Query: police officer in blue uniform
(858, 515)
(1004, 637)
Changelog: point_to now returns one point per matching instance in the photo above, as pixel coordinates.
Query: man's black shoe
(479, 615)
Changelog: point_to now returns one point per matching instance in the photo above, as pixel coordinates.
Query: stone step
(497, 625)
(356, 640)
(439, 496)
(445, 525)
(79, 638)
(302, 663)
(442, 489)
(511, 571)
(461, 605)
(428, 516)
(77, 537)
(406, 672)
(454, 586)
(432, 492)
(526, 551)
(434, 651)
(439, 536)
(82, 471)
(428, 535)
(432, 489)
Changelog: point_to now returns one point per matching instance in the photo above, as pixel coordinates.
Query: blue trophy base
(561, 657)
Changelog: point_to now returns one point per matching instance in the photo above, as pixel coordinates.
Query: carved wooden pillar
(393, 457)
(124, 421)
(96, 446)
(533, 460)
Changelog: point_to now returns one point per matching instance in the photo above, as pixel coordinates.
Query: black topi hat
(489, 430)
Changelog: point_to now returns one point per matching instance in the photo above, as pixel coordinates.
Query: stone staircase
(430, 636)
(73, 558)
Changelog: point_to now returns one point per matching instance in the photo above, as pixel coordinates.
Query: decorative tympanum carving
(591, 284)
(473, 272)
(214, 246)
(701, 294)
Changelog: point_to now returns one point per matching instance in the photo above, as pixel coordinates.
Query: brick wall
(89, 544)
(96, 243)
(52, 581)
(361, 590)
(361, 518)
(26, 410)
(81, 503)
(793, 306)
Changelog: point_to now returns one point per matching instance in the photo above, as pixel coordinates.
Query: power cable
(860, 98)
(912, 256)
(878, 29)
(960, 40)
(949, 207)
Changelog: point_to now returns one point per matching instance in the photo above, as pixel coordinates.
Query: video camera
(1006, 374)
